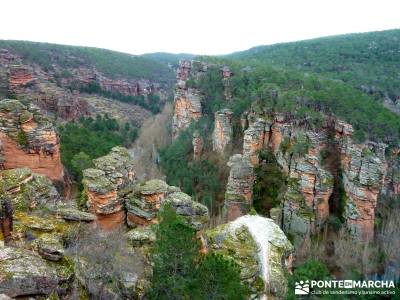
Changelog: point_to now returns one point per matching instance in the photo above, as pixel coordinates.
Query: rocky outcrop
(142, 207)
(223, 133)
(106, 186)
(29, 140)
(239, 189)
(187, 100)
(261, 250)
(197, 143)
(194, 213)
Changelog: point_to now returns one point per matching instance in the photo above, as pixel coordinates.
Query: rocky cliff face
(29, 140)
(318, 162)
(260, 248)
(187, 105)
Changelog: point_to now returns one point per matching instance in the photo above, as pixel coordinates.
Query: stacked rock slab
(29, 140)
(143, 205)
(223, 133)
(187, 101)
(106, 186)
(260, 248)
(239, 189)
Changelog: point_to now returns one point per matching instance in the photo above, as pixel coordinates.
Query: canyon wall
(319, 163)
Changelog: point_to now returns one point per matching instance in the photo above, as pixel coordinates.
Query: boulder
(23, 273)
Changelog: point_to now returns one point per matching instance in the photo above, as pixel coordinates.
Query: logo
(302, 288)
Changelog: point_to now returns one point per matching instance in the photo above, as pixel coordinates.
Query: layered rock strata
(29, 140)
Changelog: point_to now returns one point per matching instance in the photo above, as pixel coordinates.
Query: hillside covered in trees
(370, 61)
(111, 63)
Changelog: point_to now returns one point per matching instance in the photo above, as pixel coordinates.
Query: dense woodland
(89, 138)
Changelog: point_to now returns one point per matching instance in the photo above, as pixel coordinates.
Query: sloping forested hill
(370, 61)
(111, 63)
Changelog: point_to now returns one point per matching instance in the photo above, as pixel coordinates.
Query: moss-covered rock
(141, 236)
(28, 190)
(49, 247)
(259, 247)
(23, 273)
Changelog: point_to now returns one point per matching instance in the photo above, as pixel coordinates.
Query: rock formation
(239, 189)
(260, 248)
(29, 140)
(106, 185)
(187, 100)
(223, 133)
